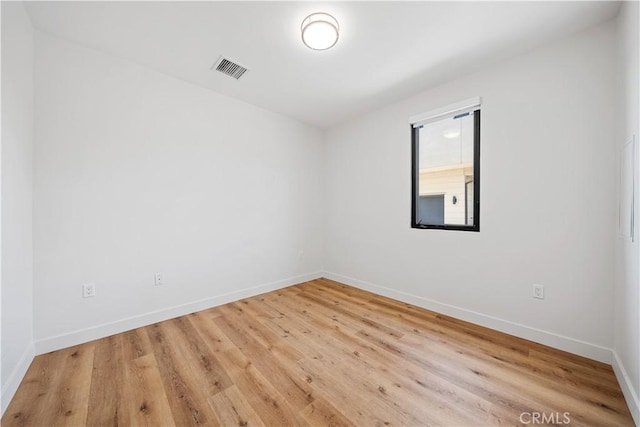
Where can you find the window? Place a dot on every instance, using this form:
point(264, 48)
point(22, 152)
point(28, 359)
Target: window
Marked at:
point(445, 172)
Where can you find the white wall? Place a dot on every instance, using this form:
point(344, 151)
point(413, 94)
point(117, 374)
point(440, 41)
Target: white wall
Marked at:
point(137, 172)
point(17, 171)
point(626, 342)
point(548, 206)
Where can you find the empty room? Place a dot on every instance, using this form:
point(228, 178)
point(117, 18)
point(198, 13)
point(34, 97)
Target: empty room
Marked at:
point(306, 214)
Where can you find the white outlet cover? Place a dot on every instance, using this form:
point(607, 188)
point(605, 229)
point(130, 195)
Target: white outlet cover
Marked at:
point(158, 279)
point(88, 290)
point(538, 291)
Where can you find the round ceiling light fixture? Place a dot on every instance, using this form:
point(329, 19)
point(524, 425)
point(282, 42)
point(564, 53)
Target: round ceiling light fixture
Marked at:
point(451, 133)
point(320, 31)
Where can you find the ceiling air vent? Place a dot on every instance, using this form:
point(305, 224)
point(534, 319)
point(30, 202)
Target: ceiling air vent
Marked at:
point(230, 68)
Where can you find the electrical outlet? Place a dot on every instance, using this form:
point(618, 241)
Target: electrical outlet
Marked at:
point(88, 290)
point(538, 291)
point(158, 279)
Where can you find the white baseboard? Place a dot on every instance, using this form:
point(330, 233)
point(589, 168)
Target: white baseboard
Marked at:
point(630, 394)
point(58, 342)
point(16, 376)
point(571, 345)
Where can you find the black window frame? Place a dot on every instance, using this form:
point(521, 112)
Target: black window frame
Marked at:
point(415, 180)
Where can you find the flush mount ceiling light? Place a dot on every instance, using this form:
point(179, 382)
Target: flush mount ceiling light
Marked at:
point(320, 31)
point(451, 133)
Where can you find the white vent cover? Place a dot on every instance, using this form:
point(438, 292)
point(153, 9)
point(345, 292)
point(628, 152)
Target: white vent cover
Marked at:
point(229, 67)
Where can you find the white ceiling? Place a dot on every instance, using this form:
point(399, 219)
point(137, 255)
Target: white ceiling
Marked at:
point(386, 51)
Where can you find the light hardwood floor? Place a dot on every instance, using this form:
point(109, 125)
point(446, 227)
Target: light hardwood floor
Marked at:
point(319, 353)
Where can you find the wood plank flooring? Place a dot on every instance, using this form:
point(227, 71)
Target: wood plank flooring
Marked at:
point(318, 353)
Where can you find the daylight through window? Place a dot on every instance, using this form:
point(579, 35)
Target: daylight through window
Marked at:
point(446, 169)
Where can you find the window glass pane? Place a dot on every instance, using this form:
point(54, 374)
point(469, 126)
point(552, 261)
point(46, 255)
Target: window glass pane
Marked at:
point(445, 171)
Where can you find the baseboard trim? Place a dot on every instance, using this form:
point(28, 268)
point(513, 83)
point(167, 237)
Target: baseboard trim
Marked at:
point(627, 389)
point(58, 342)
point(571, 345)
point(15, 378)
